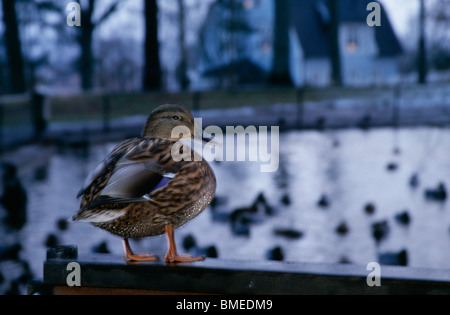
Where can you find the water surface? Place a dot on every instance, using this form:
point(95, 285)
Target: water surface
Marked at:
point(350, 167)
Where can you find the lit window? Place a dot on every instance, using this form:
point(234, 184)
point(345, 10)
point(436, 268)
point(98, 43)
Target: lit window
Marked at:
point(352, 47)
point(352, 42)
point(248, 4)
point(266, 48)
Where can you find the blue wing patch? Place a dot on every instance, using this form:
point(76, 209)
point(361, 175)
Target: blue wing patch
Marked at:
point(163, 182)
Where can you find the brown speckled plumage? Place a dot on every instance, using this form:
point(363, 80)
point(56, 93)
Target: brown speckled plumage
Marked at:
point(120, 196)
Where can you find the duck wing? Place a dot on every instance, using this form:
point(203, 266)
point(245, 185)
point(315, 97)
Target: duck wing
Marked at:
point(145, 168)
point(130, 173)
point(133, 180)
point(98, 177)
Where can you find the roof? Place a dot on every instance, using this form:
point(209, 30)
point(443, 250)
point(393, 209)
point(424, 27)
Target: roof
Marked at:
point(311, 19)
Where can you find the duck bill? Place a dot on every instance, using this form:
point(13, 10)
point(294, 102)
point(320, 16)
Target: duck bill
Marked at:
point(206, 137)
point(211, 139)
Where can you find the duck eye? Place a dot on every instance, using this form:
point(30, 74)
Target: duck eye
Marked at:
point(176, 117)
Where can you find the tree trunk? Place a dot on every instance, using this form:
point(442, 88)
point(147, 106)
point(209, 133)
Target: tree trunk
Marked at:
point(152, 64)
point(85, 39)
point(13, 48)
point(335, 53)
point(280, 65)
point(182, 66)
point(422, 46)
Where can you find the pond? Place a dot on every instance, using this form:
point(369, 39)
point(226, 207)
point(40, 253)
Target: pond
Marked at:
point(323, 204)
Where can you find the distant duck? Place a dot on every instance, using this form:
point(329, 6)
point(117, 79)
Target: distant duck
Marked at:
point(218, 211)
point(380, 230)
point(344, 260)
point(403, 218)
point(62, 225)
point(218, 201)
point(209, 251)
point(14, 197)
point(324, 201)
point(11, 252)
point(140, 190)
point(276, 254)
point(262, 204)
point(101, 248)
point(190, 245)
point(414, 180)
point(220, 216)
point(285, 199)
point(247, 214)
point(241, 219)
point(342, 228)
point(392, 258)
point(392, 166)
point(291, 234)
point(241, 228)
point(369, 208)
point(437, 194)
point(189, 242)
point(51, 240)
point(254, 213)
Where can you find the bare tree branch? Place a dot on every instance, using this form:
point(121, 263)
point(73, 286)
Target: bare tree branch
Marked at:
point(108, 13)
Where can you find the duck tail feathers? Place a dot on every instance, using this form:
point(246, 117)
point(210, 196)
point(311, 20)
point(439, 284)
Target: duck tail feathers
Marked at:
point(97, 216)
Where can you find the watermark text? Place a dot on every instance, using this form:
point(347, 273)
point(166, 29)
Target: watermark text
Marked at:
point(374, 277)
point(241, 144)
point(374, 17)
point(74, 16)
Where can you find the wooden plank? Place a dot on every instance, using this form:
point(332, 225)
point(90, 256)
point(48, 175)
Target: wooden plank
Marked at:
point(217, 276)
point(65, 290)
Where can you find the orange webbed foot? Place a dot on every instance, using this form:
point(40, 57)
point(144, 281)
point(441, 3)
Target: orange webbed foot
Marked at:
point(171, 258)
point(172, 255)
point(130, 256)
point(140, 257)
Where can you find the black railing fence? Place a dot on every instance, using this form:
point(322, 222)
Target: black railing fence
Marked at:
point(26, 118)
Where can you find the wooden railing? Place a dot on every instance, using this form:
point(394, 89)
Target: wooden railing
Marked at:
point(67, 273)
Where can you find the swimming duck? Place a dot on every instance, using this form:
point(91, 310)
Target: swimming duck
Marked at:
point(140, 190)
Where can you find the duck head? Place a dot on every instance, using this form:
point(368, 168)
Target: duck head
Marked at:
point(162, 121)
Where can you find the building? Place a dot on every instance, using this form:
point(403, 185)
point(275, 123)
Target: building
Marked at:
point(369, 55)
point(237, 30)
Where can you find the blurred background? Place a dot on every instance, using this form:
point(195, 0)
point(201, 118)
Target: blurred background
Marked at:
point(364, 113)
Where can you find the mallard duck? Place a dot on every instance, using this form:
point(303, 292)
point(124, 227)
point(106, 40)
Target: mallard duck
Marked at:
point(140, 190)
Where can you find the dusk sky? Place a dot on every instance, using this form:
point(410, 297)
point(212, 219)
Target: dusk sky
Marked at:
point(401, 13)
